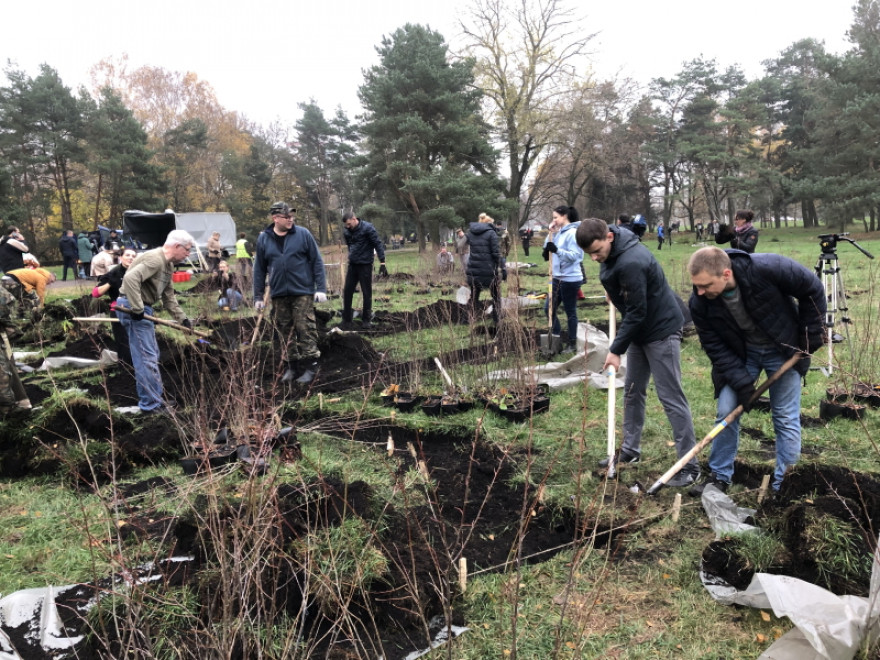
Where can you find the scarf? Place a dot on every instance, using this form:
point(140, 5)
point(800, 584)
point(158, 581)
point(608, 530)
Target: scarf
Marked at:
point(744, 228)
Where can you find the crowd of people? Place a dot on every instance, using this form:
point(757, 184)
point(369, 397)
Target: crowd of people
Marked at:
point(753, 312)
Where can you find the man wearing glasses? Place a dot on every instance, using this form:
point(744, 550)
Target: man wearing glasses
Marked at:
point(288, 255)
point(148, 280)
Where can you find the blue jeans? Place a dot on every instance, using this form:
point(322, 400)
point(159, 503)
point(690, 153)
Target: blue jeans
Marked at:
point(565, 293)
point(662, 360)
point(144, 357)
point(232, 299)
point(785, 403)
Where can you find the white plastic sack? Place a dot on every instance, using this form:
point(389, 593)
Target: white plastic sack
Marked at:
point(579, 367)
point(107, 358)
point(827, 626)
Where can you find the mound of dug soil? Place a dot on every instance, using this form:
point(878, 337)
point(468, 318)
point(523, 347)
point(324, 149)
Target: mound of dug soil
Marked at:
point(824, 523)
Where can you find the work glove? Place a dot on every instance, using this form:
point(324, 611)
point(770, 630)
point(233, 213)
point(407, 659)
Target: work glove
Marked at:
point(96, 293)
point(186, 323)
point(137, 316)
point(812, 343)
point(551, 246)
point(320, 297)
point(259, 304)
point(383, 272)
point(503, 274)
point(744, 395)
point(545, 253)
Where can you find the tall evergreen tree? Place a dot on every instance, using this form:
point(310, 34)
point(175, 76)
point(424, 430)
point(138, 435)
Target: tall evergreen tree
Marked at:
point(119, 158)
point(427, 145)
point(42, 134)
point(323, 153)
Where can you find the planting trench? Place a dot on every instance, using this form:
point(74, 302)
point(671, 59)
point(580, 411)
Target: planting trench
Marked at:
point(468, 509)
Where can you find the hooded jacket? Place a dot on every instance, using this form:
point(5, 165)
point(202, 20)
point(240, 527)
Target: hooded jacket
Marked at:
point(784, 298)
point(293, 264)
point(361, 242)
point(485, 255)
point(635, 283)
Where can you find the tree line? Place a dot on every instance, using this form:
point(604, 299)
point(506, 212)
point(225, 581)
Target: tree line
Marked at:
point(511, 124)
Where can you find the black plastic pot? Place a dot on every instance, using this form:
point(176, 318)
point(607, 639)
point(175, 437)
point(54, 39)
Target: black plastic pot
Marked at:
point(387, 400)
point(831, 409)
point(192, 464)
point(449, 407)
point(406, 401)
point(222, 455)
point(431, 406)
point(868, 394)
point(515, 414)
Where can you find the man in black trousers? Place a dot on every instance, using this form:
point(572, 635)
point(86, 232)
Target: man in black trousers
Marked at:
point(362, 240)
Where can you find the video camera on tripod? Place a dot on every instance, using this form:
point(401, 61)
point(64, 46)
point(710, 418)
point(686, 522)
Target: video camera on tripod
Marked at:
point(828, 243)
point(828, 270)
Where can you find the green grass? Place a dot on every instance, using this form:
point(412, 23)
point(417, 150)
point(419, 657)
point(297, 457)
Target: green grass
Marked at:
point(644, 600)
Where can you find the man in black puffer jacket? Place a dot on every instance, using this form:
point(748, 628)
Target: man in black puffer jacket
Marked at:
point(483, 264)
point(753, 312)
point(362, 240)
point(650, 335)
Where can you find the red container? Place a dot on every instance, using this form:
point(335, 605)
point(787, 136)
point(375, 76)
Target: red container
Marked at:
point(180, 277)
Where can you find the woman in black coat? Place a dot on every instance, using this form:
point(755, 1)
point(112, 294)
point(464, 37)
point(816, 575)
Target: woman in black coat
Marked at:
point(744, 235)
point(483, 264)
point(109, 285)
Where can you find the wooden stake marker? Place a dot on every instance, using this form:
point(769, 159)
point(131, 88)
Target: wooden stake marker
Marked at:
point(762, 491)
point(462, 574)
point(676, 507)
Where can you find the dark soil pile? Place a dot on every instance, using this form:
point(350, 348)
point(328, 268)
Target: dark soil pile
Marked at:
point(826, 519)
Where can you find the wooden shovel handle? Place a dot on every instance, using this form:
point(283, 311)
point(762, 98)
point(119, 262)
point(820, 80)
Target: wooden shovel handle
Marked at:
point(170, 324)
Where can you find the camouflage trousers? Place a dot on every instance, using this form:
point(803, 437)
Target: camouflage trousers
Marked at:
point(27, 300)
point(7, 396)
point(295, 329)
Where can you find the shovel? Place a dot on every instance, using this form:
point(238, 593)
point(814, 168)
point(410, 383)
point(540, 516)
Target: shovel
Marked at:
point(170, 324)
point(723, 424)
point(260, 316)
point(612, 394)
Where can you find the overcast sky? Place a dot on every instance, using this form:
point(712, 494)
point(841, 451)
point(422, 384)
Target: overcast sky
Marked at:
point(263, 57)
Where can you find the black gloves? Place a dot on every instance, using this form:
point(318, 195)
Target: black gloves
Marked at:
point(137, 316)
point(812, 343)
point(503, 274)
point(744, 395)
point(186, 323)
point(551, 246)
point(383, 272)
point(545, 253)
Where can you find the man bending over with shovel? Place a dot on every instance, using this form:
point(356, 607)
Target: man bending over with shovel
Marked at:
point(650, 334)
point(148, 280)
point(753, 312)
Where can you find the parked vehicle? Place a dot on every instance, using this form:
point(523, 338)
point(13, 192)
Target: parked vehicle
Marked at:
point(148, 230)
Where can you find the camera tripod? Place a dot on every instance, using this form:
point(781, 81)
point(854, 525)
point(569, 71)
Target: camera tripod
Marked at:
point(828, 270)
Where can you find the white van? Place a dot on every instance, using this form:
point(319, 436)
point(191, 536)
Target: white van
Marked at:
point(150, 229)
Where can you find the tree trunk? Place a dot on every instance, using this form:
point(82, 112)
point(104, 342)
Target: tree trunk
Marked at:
point(98, 198)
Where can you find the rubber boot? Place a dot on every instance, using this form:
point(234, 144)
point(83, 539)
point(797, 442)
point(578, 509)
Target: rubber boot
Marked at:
point(309, 374)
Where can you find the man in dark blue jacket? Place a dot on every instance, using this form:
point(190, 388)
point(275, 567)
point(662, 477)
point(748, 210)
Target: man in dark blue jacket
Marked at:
point(753, 312)
point(362, 240)
point(650, 334)
point(290, 257)
point(69, 254)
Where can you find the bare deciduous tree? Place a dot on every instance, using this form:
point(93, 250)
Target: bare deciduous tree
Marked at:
point(527, 53)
